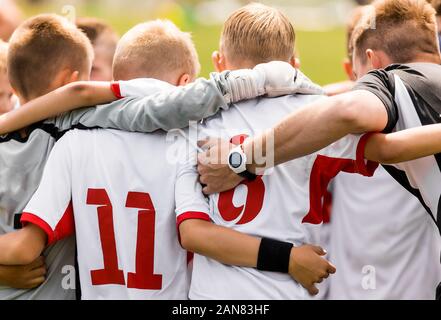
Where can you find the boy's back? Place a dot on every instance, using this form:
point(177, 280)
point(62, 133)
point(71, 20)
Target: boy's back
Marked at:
point(285, 203)
point(119, 188)
point(258, 208)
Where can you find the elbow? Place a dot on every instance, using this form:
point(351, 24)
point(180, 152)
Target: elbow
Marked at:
point(349, 113)
point(190, 235)
point(187, 240)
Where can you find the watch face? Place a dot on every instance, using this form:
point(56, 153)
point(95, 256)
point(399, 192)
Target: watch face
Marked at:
point(235, 160)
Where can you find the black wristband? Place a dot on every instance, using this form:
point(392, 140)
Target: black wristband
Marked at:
point(274, 255)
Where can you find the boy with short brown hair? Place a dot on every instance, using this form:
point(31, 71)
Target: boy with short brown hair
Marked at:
point(45, 52)
point(39, 40)
point(401, 22)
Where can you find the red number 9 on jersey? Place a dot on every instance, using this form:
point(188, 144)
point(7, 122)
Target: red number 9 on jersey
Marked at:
point(254, 201)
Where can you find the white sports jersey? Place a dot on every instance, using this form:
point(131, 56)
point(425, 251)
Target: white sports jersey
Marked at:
point(117, 191)
point(285, 205)
point(383, 242)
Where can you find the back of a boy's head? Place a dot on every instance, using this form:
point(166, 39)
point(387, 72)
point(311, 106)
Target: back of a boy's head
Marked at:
point(403, 29)
point(155, 49)
point(41, 48)
point(257, 33)
point(3, 56)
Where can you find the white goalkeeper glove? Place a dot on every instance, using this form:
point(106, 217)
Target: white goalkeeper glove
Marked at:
point(273, 79)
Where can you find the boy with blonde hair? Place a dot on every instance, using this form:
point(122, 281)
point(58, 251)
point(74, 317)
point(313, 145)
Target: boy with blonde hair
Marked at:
point(170, 48)
point(6, 93)
point(104, 41)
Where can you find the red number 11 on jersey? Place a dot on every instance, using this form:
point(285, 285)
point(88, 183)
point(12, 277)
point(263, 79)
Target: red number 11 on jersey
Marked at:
point(143, 277)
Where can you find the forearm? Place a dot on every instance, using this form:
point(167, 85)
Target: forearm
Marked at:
point(67, 98)
point(406, 145)
point(173, 108)
point(4, 275)
point(316, 126)
point(222, 244)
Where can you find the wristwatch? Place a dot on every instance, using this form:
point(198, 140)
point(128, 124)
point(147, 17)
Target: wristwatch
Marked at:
point(237, 161)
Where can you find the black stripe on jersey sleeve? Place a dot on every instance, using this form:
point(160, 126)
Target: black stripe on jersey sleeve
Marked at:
point(47, 127)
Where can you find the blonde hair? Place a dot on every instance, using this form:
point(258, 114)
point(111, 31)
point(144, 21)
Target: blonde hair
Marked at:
point(403, 29)
point(155, 49)
point(258, 33)
point(3, 56)
point(40, 48)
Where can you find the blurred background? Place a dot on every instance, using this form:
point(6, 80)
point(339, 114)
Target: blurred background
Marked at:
point(319, 24)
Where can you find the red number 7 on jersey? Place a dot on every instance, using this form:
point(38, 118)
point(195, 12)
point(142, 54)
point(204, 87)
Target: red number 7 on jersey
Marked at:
point(143, 277)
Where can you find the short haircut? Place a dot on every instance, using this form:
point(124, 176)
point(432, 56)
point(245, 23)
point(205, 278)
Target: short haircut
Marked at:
point(40, 48)
point(3, 56)
point(436, 4)
point(403, 29)
point(154, 49)
point(258, 33)
point(98, 31)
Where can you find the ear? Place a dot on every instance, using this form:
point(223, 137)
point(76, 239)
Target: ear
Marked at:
point(347, 66)
point(374, 59)
point(184, 80)
point(218, 61)
point(68, 76)
point(295, 62)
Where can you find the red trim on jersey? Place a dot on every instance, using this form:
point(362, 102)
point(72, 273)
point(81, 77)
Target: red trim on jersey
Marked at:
point(190, 215)
point(116, 89)
point(366, 168)
point(64, 228)
point(27, 217)
point(324, 170)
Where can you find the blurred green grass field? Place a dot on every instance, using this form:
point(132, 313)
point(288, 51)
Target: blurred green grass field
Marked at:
point(321, 52)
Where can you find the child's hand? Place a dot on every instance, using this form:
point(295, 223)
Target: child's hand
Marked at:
point(23, 277)
point(308, 267)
